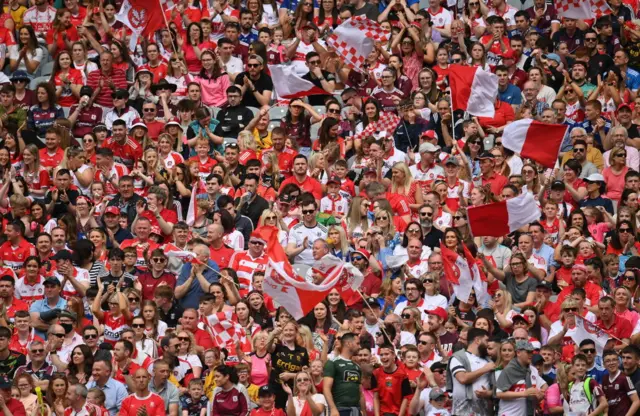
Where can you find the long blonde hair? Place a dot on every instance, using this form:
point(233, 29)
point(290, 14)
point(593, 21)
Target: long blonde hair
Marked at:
point(354, 219)
point(408, 178)
point(508, 300)
point(33, 150)
point(247, 141)
point(344, 244)
point(312, 387)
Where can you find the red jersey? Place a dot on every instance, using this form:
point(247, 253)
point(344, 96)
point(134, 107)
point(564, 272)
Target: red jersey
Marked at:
point(203, 338)
point(149, 283)
point(222, 256)
point(14, 256)
point(132, 404)
point(621, 327)
point(126, 153)
point(496, 181)
point(16, 345)
point(392, 388)
point(75, 77)
point(204, 167)
point(309, 184)
point(285, 160)
point(54, 35)
point(16, 305)
point(245, 265)
point(399, 204)
point(140, 248)
point(159, 71)
point(49, 160)
point(117, 171)
point(113, 327)
point(118, 376)
point(168, 215)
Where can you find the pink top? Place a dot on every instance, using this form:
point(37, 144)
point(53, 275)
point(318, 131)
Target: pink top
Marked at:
point(598, 230)
point(615, 183)
point(552, 397)
point(631, 316)
point(260, 370)
point(214, 90)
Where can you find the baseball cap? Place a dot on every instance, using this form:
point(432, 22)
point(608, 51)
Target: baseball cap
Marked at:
point(363, 252)
point(266, 391)
point(430, 135)
point(438, 365)
point(436, 394)
point(558, 186)
point(486, 155)
point(428, 147)
point(524, 345)
point(594, 177)
point(86, 90)
point(373, 302)
point(367, 171)
point(452, 160)
point(19, 76)
point(520, 317)
point(439, 311)
point(625, 105)
point(121, 93)
point(112, 210)
point(334, 179)
point(68, 314)
point(52, 281)
point(545, 285)
point(509, 54)
point(156, 230)
point(286, 198)
point(5, 382)
point(554, 57)
point(62, 255)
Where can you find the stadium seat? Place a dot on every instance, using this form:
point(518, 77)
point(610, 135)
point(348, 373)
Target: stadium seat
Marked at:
point(277, 112)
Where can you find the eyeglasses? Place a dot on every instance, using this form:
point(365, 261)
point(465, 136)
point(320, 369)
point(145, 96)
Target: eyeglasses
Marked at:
point(37, 351)
point(133, 300)
point(590, 39)
point(253, 65)
point(158, 259)
point(308, 211)
point(426, 214)
point(571, 309)
point(137, 325)
point(624, 230)
point(90, 336)
point(588, 350)
point(406, 316)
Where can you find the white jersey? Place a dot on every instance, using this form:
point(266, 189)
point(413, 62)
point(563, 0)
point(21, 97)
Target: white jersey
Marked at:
point(81, 276)
point(42, 22)
point(425, 178)
point(297, 236)
point(509, 15)
point(462, 406)
point(428, 409)
point(395, 157)
point(333, 206)
point(441, 18)
point(299, 60)
point(419, 268)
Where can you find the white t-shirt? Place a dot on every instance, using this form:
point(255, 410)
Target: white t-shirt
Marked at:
point(317, 398)
point(234, 66)
point(460, 403)
point(428, 409)
point(297, 235)
point(442, 18)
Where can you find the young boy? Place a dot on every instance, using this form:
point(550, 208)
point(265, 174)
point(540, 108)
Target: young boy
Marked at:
point(244, 379)
point(130, 259)
point(266, 401)
point(194, 403)
point(205, 162)
point(551, 224)
point(585, 400)
point(437, 400)
point(347, 187)
point(334, 203)
point(548, 372)
point(567, 260)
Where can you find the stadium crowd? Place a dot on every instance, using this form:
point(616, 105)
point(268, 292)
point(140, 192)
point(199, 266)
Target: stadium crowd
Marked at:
point(117, 157)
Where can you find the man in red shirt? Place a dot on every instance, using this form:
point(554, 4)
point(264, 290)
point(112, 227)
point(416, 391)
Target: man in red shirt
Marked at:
point(52, 154)
point(155, 64)
point(16, 249)
point(156, 212)
point(302, 179)
point(189, 323)
point(141, 242)
point(123, 364)
point(579, 277)
point(284, 154)
point(488, 174)
point(155, 127)
point(393, 383)
point(7, 298)
point(106, 81)
point(613, 324)
point(125, 150)
point(376, 191)
point(142, 401)
point(9, 405)
point(220, 252)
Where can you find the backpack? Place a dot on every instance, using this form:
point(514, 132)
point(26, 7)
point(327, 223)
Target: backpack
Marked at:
point(586, 385)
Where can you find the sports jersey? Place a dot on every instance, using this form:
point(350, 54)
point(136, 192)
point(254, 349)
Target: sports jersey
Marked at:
point(578, 401)
point(334, 205)
point(42, 22)
point(461, 405)
point(418, 268)
point(222, 256)
point(309, 184)
point(392, 388)
point(285, 160)
point(75, 77)
point(387, 99)
point(617, 389)
point(509, 14)
point(153, 404)
point(159, 71)
point(37, 180)
point(81, 275)
point(297, 235)
point(518, 407)
point(453, 193)
point(117, 171)
point(204, 167)
point(126, 153)
point(425, 178)
point(441, 18)
point(299, 60)
point(14, 256)
point(172, 160)
point(49, 160)
point(245, 265)
point(140, 248)
point(29, 292)
point(113, 327)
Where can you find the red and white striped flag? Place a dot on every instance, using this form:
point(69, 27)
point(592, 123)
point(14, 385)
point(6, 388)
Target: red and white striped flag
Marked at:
point(457, 271)
point(292, 291)
point(289, 85)
point(387, 122)
point(504, 217)
point(227, 333)
point(142, 17)
point(588, 330)
point(577, 9)
point(473, 90)
point(354, 39)
point(192, 212)
point(535, 140)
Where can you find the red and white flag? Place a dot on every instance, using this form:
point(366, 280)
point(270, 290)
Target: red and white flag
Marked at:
point(535, 140)
point(289, 85)
point(354, 39)
point(504, 217)
point(184, 255)
point(297, 295)
point(143, 17)
point(457, 271)
point(192, 211)
point(576, 9)
point(227, 333)
point(480, 284)
point(473, 90)
point(588, 330)
point(387, 123)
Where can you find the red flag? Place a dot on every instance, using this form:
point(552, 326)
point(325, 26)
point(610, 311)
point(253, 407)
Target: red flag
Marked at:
point(457, 270)
point(535, 140)
point(501, 218)
point(473, 90)
point(143, 17)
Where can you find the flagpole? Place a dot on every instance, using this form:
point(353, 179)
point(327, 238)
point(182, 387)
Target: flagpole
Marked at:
point(374, 313)
point(164, 16)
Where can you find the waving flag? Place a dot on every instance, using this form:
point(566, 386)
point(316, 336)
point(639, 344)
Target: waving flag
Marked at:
point(388, 122)
point(458, 272)
point(293, 292)
point(535, 140)
point(588, 330)
point(504, 217)
point(576, 9)
point(143, 17)
point(479, 279)
point(354, 39)
point(192, 211)
point(289, 85)
point(473, 90)
point(228, 333)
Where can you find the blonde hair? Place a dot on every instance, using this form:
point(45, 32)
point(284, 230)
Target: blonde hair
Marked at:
point(568, 303)
point(500, 361)
point(354, 218)
point(312, 387)
point(247, 141)
point(33, 150)
point(344, 244)
point(192, 342)
point(508, 300)
point(263, 217)
point(307, 338)
point(408, 178)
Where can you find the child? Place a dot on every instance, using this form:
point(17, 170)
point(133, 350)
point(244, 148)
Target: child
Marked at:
point(316, 371)
point(578, 401)
point(205, 162)
point(334, 203)
point(347, 188)
point(244, 379)
point(266, 402)
point(96, 397)
point(367, 389)
point(194, 403)
point(278, 36)
point(552, 223)
point(437, 400)
point(548, 372)
point(567, 259)
point(130, 259)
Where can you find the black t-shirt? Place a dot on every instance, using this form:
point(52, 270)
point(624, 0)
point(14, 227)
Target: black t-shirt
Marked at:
point(9, 365)
point(173, 314)
point(264, 83)
point(448, 340)
point(60, 208)
point(319, 99)
point(254, 209)
point(432, 240)
point(233, 120)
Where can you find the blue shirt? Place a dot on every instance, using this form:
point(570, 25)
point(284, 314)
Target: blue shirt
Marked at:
point(511, 95)
point(546, 252)
point(115, 393)
point(249, 38)
point(591, 130)
point(567, 145)
point(43, 306)
point(192, 298)
point(633, 79)
point(293, 4)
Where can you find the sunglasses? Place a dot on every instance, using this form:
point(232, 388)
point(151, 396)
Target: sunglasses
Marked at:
point(308, 211)
point(37, 351)
point(589, 350)
point(428, 280)
point(333, 111)
point(477, 142)
point(426, 214)
point(58, 335)
point(382, 218)
point(158, 260)
point(458, 217)
point(628, 277)
point(272, 217)
point(184, 339)
point(580, 150)
point(406, 316)
point(423, 342)
point(571, 310)
point(456, 61)
point(253, 65)
point(133, 299)
point(88, 141)
point(314, 62)
point(148, 110)
point(357, 258)
point(624, 230)
point(137, 325)
point(413, 231)
point(91, 336)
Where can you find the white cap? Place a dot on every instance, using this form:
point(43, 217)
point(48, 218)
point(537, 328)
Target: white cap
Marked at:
point(594, 177)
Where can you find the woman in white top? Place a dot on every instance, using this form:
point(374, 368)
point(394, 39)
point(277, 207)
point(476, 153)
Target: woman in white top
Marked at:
point(187, 352)
point(304, 395)
point(432, 296)
point(81, 172)
point(28, 55)
point(80, 60)
point(546, 93)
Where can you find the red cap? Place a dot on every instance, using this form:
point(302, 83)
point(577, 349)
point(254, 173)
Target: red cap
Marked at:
point(156, 230)
point(334, 179)
point(112, 210)
point(137, 122)
point(509, 54)
point(430, 134)
point(257, 236)
point(629, 106)
point(521, 316)
point(364, 252)
point(579, 267)
point(438, 312)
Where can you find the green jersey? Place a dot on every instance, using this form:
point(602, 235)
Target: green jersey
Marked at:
point(346, 377)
